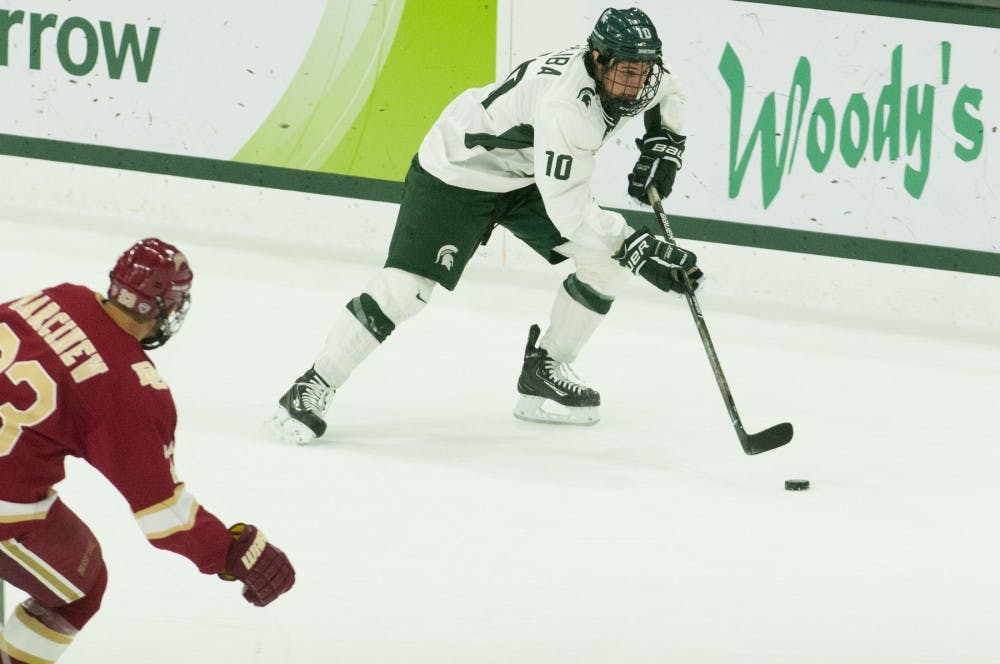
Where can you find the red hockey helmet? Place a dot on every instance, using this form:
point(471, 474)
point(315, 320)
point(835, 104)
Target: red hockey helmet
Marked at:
point(152, 278)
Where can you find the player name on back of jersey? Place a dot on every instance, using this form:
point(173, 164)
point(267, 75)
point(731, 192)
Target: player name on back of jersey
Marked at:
point(62, 335)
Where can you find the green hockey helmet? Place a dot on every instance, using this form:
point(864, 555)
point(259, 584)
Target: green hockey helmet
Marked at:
point(625, 36)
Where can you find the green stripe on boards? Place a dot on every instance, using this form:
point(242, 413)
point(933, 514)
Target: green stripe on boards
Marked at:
point(940, 12)
point(823, 244)
point(200, 168)
point(694, 228)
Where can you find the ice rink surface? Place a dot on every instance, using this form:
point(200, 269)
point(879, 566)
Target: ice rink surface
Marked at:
point(430, 526)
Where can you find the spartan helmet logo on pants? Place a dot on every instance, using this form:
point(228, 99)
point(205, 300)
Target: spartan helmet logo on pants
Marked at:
point(446, 256)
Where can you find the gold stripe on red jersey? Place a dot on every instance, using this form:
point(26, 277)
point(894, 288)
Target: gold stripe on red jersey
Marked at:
point(16, 512)
point(173, 515)
point(50, 577)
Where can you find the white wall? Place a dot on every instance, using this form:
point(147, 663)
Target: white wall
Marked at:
point(937, 189)
point(801, 287)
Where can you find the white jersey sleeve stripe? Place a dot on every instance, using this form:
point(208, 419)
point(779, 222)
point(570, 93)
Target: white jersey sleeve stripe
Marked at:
point(173, 515)
point(16, 512)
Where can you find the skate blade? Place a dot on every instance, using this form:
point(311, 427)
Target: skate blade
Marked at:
point(284, 428)
point(538, 409)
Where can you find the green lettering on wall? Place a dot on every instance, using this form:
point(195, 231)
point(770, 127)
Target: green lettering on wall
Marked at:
point(855, 115)
point(8, 20)
point(116, 53)
point(39, 24)
point(89, 34)
point(967, 126)
point(77, 44)
point(919, 123)
point(772, 165)
point(888, 110)
point(885, 129)
point(819, 156)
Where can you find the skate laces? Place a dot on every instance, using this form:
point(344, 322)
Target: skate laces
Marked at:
point(315, 395)
point(563, 375)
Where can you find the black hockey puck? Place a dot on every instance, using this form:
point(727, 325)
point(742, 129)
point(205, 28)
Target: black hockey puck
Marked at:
point(796, 485)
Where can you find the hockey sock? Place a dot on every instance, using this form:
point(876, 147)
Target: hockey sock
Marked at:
point(35, 634)
point(577, 311)
point(390, 298)
point(351, 339)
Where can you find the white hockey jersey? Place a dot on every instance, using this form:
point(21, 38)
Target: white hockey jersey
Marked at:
point(543, 124)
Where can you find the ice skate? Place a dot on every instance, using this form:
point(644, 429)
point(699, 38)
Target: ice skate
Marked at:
point(551, 392)
point(300, 412)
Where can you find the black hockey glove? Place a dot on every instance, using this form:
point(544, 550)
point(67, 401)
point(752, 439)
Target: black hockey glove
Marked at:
point(658, 262)
point(660, 154)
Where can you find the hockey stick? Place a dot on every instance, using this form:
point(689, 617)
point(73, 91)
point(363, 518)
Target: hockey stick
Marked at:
point(776, 436)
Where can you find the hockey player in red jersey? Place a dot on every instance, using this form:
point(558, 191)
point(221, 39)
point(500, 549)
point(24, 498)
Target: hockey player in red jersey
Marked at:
point(75, 380)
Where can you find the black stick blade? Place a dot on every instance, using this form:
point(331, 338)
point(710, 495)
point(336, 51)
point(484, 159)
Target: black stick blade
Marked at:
point(769, 439)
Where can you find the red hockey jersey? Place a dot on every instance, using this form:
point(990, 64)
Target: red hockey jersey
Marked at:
point(73, 382)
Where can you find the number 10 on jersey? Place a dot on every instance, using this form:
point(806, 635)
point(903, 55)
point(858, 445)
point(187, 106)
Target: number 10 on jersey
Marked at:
point(558, 165)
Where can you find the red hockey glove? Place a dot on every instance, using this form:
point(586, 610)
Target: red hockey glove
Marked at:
point(263, 568)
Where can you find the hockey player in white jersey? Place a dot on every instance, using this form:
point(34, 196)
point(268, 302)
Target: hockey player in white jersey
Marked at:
point(520, 154)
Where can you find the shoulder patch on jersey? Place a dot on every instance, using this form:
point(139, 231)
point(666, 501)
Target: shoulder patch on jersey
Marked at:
point(149, 376)
point(586, 95)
